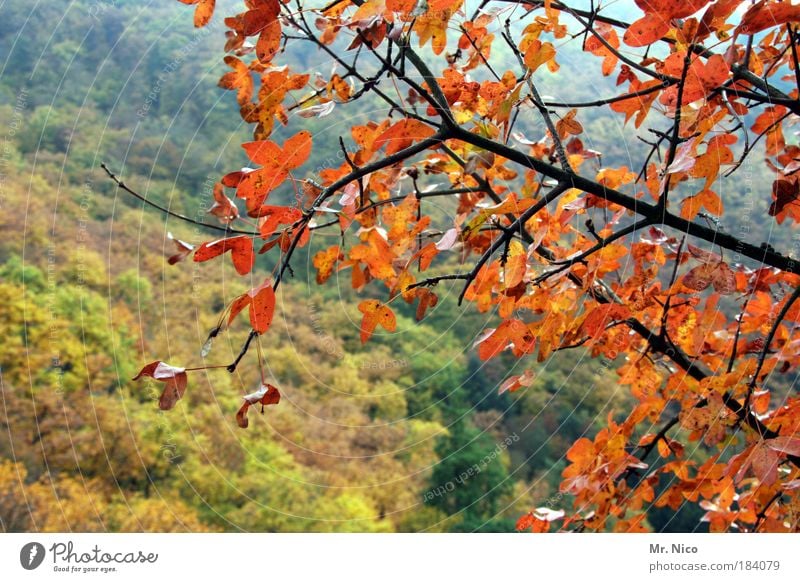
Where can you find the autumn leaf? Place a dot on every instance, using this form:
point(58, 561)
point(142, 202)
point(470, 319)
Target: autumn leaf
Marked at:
point(601, 316)
point(271, 217)
point(789, 445)
point(276, 162)
point(646, 30)
point(516, 265)
point(539, 520)
point(539, 53)
point(640, 101)
point(238, 80)
point(427, 299)
point(657, 19)
point(432, 25)
point(375, 313)
point(174, 379)
point(223, 208)
point(203, 11)
point(785, 194)
point(266, 395)
point(568, 125)
point(183, 250)
point(707, 199)
point(766, 14)
point(241, 248)
point(604, 48)
point(514, 383)
point(719, 275)
point(403, 134)
point(512, 333)
point(261, 20)
point(325, 260)
point(320, 110)
point(261, 301)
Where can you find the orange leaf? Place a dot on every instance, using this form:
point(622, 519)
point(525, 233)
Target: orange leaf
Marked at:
point(324, 262)
point(539, 53)
point(296, 150)
point(375, 313)
point(516, 265)
point(203, 12)
point(514, 383)
point(602, 315)
point(707, 199)
point(402, 134)
point(647, 30)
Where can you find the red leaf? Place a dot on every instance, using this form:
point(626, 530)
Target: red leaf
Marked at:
point(241, 248)
point(765, 464)
point(273, 216)
point(719, 275)
point(766, 14)
point(261, 301)
point(262, 307)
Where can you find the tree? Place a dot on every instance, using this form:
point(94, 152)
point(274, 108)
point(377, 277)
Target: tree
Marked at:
point(470, 480)
point(634, 265)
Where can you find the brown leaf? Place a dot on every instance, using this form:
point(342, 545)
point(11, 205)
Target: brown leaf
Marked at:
point(266, 395)
point(174, 378)
point(183, 248)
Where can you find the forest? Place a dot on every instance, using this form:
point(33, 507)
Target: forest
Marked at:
point(418, 429)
